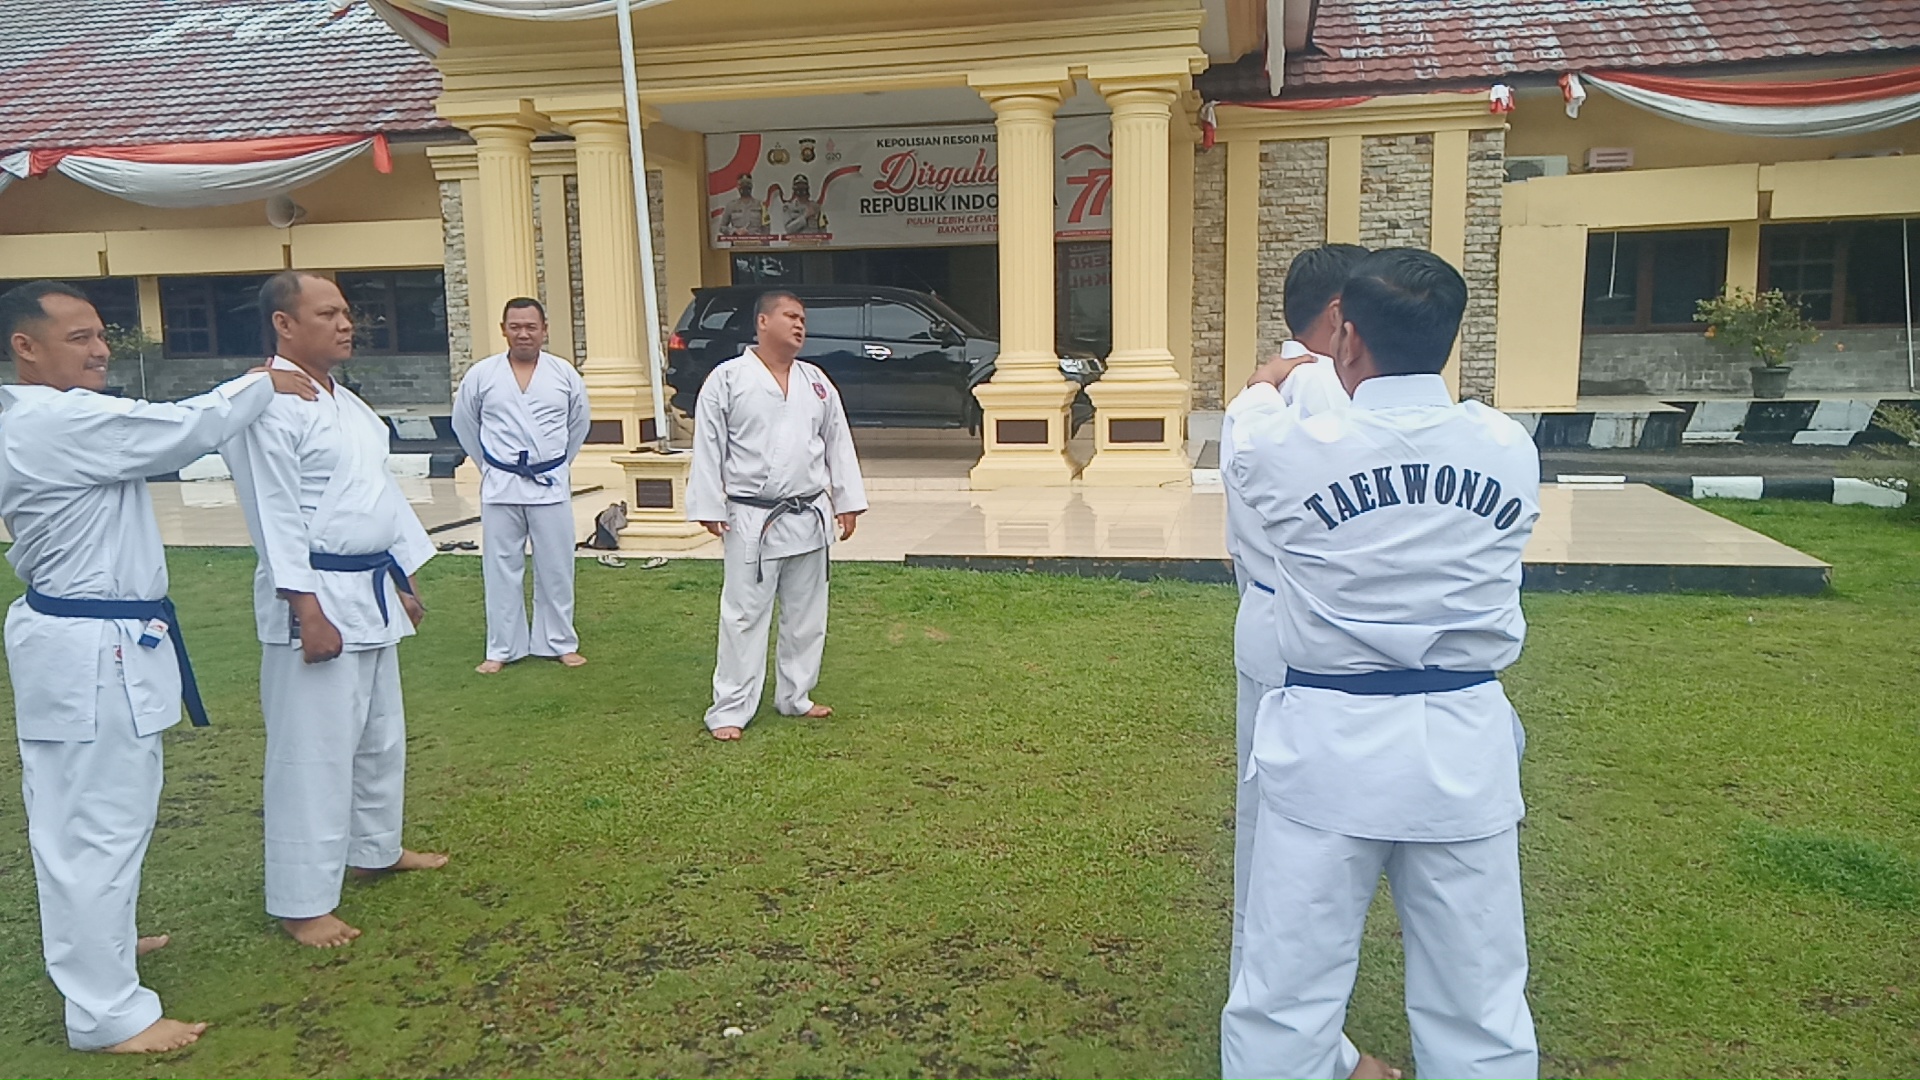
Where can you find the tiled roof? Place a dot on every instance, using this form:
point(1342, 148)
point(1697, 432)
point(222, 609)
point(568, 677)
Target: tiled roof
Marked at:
point(135, 72)
point(1398, 44)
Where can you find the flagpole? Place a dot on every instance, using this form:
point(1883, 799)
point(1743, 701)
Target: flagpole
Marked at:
point(643, 213)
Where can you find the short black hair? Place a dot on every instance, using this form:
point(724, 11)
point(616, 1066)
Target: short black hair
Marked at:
point(523, 302)
point(765, 304)
point(281, 292)
point(21, 305)
point(1407, 305)
point(1314, 278)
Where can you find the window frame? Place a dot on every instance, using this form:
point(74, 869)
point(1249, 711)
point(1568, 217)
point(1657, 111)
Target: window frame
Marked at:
point(1843, 235)
point(1643, 278)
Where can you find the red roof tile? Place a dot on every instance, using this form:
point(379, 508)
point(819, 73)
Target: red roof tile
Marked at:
point(1396, 44)
point(136, 72)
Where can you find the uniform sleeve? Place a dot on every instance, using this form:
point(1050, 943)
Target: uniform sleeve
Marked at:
point(265, 461)
point(1257, 466)
point(1313, 389)
point(466, 415)
point(579, 413)
point(95, 446)
point(843, 465)
point(706, 491)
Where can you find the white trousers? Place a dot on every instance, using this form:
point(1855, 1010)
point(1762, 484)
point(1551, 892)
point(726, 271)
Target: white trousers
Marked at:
point(799, 583)
point(1461, 928)
point(505, 529)
point(90, 813)
point(1246, 817)
point(336, 772)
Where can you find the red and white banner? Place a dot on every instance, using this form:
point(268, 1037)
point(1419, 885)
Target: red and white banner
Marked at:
point(894, 187)
point(1825, 108)
point(184, 175)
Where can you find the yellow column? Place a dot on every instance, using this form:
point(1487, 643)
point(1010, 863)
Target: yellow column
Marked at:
point(1241, 329)
point(1025, 407)
point(1343, 189)
point(1743, 255)
point(1142, 401)
point(504, 218)
point(616, 369)
point(152, 316)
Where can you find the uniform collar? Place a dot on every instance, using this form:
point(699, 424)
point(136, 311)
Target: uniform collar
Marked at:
point(1291, 349)
point(1401, 391)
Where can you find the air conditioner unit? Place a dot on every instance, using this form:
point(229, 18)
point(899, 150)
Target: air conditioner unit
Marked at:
point(1527, 168)
point(1609, 158)
point(1846, 154)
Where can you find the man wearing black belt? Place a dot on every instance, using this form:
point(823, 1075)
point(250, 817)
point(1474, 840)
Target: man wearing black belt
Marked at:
point(333, 595)
point(1395, 529)
point(772, 460)
point(97, 657)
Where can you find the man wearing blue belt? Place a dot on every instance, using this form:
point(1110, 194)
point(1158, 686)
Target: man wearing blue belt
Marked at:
point(1395, 528)
point(522, 416)
point(98, 663)
point(333, 596)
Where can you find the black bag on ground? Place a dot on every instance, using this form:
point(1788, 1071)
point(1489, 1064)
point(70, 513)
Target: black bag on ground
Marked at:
point(606, 528)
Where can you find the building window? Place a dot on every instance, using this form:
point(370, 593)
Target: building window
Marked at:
point(117, 299)
point(397, 311)
point(1844, 273)
point(212, 316)
point(1652, 280)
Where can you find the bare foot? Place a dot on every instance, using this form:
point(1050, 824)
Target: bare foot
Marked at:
point(818, 712)
point(1372, 1068)
point(408, 860)
point(321, 932)
point(161, 1036)
point(150, 944)
point(491, 667)
point(727, 734)
point(573, 659)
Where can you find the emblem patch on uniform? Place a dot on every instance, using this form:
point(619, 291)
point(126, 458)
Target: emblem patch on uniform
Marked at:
point(820, 390)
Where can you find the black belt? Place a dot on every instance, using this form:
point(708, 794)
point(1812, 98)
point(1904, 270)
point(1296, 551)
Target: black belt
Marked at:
point(792, 504)
point(1392, 683)
point(143, 611)
point(380, 563)
point(535, 472)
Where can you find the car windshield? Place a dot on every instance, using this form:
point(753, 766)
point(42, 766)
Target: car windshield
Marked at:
point(960, 322)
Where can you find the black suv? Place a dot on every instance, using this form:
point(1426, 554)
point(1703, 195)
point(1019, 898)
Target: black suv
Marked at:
point(897, 356)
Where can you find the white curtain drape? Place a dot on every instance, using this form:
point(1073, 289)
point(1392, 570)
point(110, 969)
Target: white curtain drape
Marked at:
point(1784, 120)
point(174, 185)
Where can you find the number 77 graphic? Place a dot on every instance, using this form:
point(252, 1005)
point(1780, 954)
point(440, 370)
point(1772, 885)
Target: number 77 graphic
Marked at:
point(1096, 186)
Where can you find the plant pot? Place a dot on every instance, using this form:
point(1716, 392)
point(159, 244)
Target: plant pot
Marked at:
point(1770, 383)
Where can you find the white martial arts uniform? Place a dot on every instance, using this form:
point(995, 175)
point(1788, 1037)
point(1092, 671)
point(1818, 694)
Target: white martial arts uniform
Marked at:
point(90, 701)
point(1398, 525)
point(546, 422)
point(312, 477)
point(1313, 388)
point(751, 442)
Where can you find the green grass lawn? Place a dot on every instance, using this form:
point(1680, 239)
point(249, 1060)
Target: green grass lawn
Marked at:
point(1010, 851)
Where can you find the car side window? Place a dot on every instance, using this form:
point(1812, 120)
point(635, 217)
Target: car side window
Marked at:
point(898, 322)
point(721, 317)
point(835, 319)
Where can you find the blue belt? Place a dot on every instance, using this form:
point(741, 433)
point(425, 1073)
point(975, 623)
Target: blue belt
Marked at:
point(143, 611)
point(1392, 683)
point(1263, 587)
point(380, 563)
point(535, 472)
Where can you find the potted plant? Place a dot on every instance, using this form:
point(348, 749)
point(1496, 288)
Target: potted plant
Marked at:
point(1769, 326)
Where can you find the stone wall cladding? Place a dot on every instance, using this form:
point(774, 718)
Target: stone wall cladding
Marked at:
point(414, 380)
point(459, 316)
point(579, 312)
point(657, 216)
point(1293, 218)
point(1396, 191)
point(539, 252)
point(1681, 365)
point(1486, 172)
point(1209, 276)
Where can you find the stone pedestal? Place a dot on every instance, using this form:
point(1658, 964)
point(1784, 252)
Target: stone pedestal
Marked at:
point(656, 497)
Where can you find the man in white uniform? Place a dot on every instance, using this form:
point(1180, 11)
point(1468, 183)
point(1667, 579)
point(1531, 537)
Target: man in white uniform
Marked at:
point(772, 460)
point(99, 668)
point(1397, 526)
point(522, 417)
point(333, 595)
point(1312, 309)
